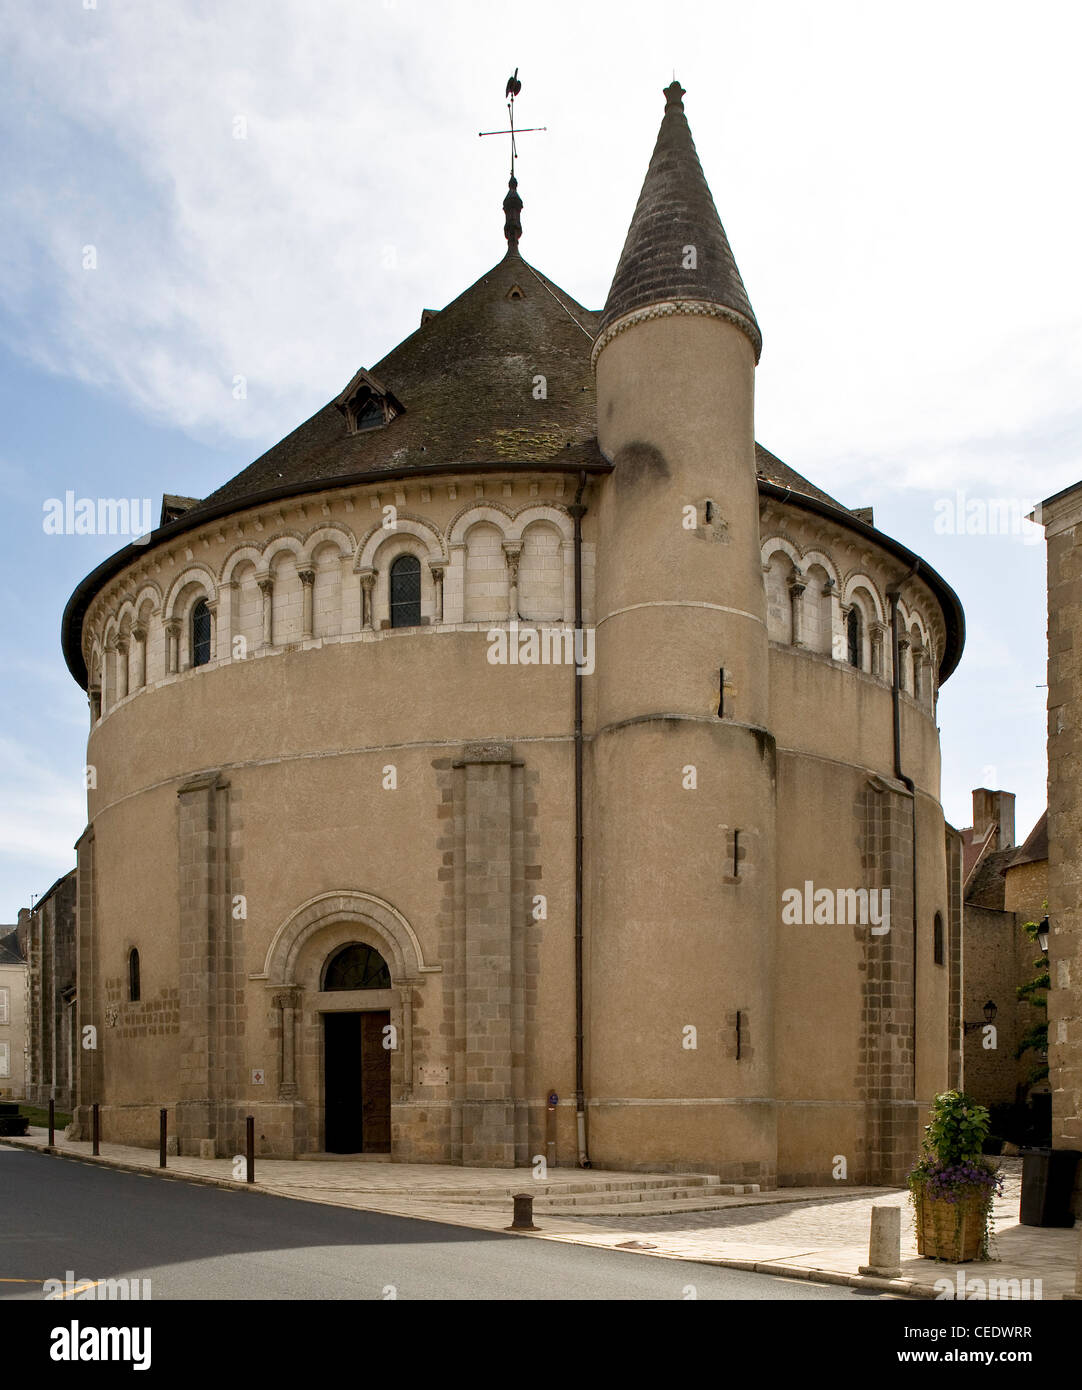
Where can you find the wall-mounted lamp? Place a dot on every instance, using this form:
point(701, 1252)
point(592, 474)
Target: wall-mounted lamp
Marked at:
point(989, 1012)
point(1042, 933)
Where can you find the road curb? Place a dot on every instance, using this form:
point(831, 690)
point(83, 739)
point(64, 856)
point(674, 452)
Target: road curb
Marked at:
point(120, 1166)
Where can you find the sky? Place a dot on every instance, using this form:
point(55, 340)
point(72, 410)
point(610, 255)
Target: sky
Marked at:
point(214, 213)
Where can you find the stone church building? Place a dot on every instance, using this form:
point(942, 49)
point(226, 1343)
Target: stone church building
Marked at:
point(518, 728)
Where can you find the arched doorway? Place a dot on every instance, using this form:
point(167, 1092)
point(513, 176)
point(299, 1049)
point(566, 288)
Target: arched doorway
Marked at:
point(357, 1045)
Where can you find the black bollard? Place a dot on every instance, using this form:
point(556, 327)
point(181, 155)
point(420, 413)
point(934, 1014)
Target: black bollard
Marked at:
point(96, 1130)
point(52, 1123)
point(523, 1217)
point(250, 1145)
point(163, 1125)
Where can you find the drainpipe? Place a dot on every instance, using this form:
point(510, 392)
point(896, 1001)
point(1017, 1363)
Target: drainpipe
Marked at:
point(577, 513)
point(896, 686)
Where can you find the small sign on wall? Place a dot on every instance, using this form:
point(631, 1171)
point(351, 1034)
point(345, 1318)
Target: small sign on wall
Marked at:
point(258, 1076)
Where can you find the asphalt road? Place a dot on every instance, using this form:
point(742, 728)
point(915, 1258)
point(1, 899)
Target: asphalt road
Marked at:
point(194, 1242)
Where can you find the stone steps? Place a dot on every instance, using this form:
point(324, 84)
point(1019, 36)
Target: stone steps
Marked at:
point(668, 1206)
point(634, 1199)
point(617, 1186)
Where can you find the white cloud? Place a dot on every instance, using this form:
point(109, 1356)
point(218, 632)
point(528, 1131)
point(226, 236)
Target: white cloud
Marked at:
point(41, 816)
point(894, 186)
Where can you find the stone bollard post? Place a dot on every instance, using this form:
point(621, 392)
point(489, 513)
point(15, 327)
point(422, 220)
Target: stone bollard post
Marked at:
point(523, 1218)
point(885, 1245)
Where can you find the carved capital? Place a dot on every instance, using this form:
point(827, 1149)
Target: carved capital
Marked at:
point(139, 632)
point(266, 584)
point(513, 552)
point(307, 577)
point(368, 579)
point(172, 627)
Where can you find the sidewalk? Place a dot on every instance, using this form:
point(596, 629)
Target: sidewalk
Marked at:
point(808, 1233)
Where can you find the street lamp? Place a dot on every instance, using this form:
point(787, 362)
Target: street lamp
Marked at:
point(989, 1012)
point(1042, 934)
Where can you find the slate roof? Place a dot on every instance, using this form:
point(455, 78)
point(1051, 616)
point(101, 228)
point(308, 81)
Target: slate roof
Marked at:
point(466, 381)
point(1035, 849)
point(676, 210)
point(770, 467)
point(987, 887)
point(9, 948)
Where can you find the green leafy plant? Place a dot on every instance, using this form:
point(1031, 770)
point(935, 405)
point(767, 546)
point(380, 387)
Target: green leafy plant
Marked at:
point(1035, 992)
point(951, 1167)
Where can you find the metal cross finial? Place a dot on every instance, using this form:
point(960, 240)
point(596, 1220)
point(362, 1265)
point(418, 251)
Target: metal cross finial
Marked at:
point(514, 86)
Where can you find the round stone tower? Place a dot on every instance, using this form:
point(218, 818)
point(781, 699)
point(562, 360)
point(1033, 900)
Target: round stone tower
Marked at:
point(682, 761)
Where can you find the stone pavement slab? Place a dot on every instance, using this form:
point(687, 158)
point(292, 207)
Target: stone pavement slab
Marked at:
point(819, 1233)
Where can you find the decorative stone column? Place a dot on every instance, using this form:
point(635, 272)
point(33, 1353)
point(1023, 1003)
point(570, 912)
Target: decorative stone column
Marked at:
point(139, 674)
point(797, 586)
point(307, 577)
point(829, 592)
point(513, 552)
point(919, 663)
point(266, 588)
point(121, 667)
point(172, 646)
point(94, 693)
point(108, 675)
point(567, 571)
point(212, 609)
point(288, 1003)
point(878, 633)
point(208, 1063)
point(903, 648)
point(454, 595)
point(437, 568)
point(486, 977)
point(368, 585)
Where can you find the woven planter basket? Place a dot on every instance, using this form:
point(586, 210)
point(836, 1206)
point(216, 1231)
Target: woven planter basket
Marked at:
point(952, 1231)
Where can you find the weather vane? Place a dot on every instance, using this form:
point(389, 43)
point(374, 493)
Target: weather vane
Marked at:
point(514, 86)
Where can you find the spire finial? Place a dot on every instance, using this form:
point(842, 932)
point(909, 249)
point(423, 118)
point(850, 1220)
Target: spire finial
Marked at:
point(512, 208)
point(512, 204)
point(674, 94)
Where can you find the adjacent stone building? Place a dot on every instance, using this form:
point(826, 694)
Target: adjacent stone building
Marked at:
point(12, 1015)
point(518, 728)
point(1006, 885)
point(47, 933)
point(1061, 516)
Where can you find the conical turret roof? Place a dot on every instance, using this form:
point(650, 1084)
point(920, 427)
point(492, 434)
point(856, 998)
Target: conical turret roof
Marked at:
point(676, 247)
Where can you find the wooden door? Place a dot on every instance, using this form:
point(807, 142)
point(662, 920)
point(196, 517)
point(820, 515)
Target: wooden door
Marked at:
point(375, 1083)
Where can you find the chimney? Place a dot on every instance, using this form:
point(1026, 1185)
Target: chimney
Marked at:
point(994, 808)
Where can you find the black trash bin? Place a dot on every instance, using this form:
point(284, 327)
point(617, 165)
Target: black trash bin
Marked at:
point(1047, 1184)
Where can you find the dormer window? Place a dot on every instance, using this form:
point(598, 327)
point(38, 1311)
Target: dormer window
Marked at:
point(367, 404)
point(367, 413)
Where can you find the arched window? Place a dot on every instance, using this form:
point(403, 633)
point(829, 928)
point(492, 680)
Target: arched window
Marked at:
point(938, 946)
point(357, 967)
point(406, 591)
point(133, 975)
point(200, 633)
point(854, 637)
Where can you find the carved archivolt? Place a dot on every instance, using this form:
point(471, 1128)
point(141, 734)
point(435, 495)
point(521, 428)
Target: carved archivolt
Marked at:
point(375, 921)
